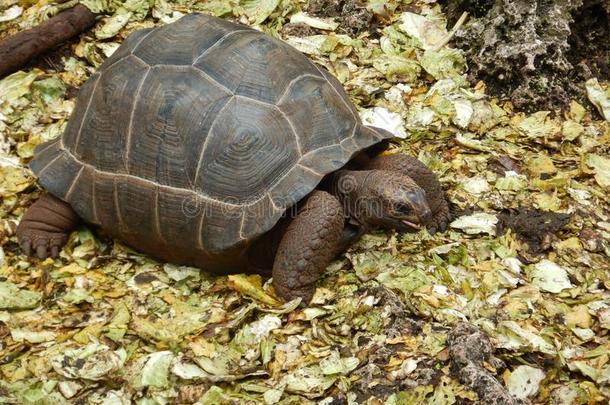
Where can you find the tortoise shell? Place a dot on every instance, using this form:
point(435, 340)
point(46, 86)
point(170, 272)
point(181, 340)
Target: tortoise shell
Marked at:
point(200, 133)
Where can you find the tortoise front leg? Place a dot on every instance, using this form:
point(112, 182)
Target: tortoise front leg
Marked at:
point(425, 178)
point(45, 226)
point(310, 243)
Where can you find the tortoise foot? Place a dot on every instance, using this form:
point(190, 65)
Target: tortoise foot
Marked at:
point(45, 227)
point(41, 243)
point(440, 219)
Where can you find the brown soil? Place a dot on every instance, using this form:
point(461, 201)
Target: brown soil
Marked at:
point(534, 227)
point(298, 30)
point(354, 17)
point(538, 54)
point(590, 43)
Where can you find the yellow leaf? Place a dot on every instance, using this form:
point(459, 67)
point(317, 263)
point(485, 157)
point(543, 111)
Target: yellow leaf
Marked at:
point(251, 285)
point(579, 316)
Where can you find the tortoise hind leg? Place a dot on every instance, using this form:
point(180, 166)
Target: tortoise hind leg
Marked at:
point(45, 226)
point(425, 178)
point(309, 244)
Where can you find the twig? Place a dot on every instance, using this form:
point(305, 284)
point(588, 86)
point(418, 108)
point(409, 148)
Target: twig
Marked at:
point(18, 50)
point(451, 33)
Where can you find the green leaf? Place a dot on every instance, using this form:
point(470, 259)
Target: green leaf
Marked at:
point(50, 89)
point(476, 223)
point(17, 85)
point(112, 25)
point(444, 63)
point(601, 166)
point(11, 13)
point(92, 362)
point(539, 125)
point(397, 68)
point(334, 364)
point(550, 277)
point(524, 381)
point(216, 7)
point(155, 370)
point(308, 380)
point(599, 97)
point(12, 297)
point(429, 30)
point(258, 10)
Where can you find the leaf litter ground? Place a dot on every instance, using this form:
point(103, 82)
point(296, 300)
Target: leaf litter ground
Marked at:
point(512, 304)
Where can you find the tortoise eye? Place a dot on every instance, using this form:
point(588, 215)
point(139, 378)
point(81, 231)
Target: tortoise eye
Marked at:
point(403, 208)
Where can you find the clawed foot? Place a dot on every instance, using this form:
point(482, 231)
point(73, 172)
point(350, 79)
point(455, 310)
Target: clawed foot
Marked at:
point(440, 219)
point(45, 226)
point(40, 243)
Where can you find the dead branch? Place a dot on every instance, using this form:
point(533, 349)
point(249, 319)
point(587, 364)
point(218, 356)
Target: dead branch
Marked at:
point(18, 50)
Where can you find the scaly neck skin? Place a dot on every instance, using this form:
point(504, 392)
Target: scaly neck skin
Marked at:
point(350, 187)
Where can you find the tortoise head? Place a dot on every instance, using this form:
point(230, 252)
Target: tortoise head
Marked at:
point(391, 200)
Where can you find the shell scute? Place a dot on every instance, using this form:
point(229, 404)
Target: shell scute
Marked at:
point(172, 118)
point(183, 43)
point(254, 65)
point(249, 148)
point(318, 115)
point(101, 139)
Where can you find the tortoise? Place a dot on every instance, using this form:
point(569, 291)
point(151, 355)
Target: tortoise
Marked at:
point(211, 144)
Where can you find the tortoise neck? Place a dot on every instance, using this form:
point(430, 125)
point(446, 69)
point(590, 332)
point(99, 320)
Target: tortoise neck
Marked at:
point(350, 188)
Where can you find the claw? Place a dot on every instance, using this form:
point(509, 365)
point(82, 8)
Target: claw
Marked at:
point(41, 252)
point(41, 245)
point(440, 221)
point(26, 245)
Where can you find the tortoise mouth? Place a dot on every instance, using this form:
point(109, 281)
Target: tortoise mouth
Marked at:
point(402, 225)
point(412, 225)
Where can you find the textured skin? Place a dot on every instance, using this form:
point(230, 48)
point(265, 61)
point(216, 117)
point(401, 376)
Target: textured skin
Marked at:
point(193, 138)
point(425, 178)
point(367, 196)
point(44, 228)
point(310, 243)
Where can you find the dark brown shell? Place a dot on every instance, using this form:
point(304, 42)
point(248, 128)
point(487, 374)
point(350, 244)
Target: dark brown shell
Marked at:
point(200, 133)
